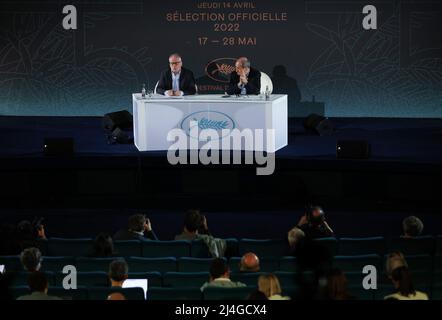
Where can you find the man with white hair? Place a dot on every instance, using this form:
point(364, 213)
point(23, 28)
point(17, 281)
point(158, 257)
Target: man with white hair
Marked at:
point(176, 81)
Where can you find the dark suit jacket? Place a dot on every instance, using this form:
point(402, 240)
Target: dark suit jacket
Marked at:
point(125, 234)
point(187, 82)
point(253, 85)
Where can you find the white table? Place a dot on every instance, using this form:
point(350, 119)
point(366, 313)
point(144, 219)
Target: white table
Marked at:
point(155, 116)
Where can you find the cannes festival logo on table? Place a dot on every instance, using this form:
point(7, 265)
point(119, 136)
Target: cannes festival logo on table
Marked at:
point(208, 120)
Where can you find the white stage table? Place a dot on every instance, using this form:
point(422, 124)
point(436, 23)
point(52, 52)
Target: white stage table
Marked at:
point(155, 116)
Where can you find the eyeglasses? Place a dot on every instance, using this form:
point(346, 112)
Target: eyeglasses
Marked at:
point(174, 63)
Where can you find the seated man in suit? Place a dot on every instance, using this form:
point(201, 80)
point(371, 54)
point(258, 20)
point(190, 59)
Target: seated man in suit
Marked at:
point(176, 81)
point(245, 80)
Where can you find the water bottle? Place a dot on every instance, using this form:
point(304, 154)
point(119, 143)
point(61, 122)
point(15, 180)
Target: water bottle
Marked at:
point(143, 91)
point(267, 93)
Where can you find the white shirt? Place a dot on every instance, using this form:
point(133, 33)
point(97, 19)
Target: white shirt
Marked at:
point(176, 82)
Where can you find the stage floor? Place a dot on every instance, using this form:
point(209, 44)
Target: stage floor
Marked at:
point(404, 169)
point(416, 141)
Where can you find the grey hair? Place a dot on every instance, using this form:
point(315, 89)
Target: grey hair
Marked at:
point(244, 62)
point(412, 226)
point(175, 55)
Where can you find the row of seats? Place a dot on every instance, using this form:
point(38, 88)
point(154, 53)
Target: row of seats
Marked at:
point(196, 279)
point(161, 293)
point(421, 263)
point(263, 248)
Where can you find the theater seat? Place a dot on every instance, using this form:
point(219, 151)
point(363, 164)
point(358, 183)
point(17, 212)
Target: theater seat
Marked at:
point(18, 291)
point(360, 293)
point(248, 278)
point(69, 247)
point(86, 279)
point(156, 293)
point(436, 292)
point(287, 264)
point(187, 264)
point(439, 244)
point(354, 279)
point(356, 263)
point(167, 264)
point(128, 248)
point(263, 248)
point(213, 293)
point(103, 293)
point(417, 245)
point(357, 246)
point(185, 279)
point(12, 263)
point(95, 264)
point(198, 249)
point(20, 278)
point(331, 243)
point(56, 264)
point(151, 248)
point(437, 263)
point(287, 279)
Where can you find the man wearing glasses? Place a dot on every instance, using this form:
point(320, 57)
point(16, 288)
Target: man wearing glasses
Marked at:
point(245, 80)
point(176, 81)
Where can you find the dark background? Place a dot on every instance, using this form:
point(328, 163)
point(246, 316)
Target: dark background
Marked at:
point(395, 71)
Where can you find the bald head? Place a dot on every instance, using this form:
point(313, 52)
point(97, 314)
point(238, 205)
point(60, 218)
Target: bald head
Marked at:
point(249, 262)
point(116, 296)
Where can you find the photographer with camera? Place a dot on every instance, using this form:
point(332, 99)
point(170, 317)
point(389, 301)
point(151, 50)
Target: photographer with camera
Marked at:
point(314, 225)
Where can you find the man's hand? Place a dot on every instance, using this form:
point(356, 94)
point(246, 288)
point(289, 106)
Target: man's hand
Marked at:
point(169, 93)
point(205, 223)
point(302, 221)
point(147, 226)
point(178, 93)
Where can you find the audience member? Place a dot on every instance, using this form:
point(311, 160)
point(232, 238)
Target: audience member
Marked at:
point(249, 263)
point(295, 238)
point(395, 260)
point(314, 225)
point(103, 246)
point(269, 285)
point(139, 228)
point(403, 283)
point(31, 259)
point(412, 227)
point(220, 276)
point(38, 284)
point(336, 287)
point(30, 234)
point(118, 272)
point(116, 296)
point(193, 222)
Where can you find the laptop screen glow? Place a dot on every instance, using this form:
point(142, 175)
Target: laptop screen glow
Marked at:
point(136, 283)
